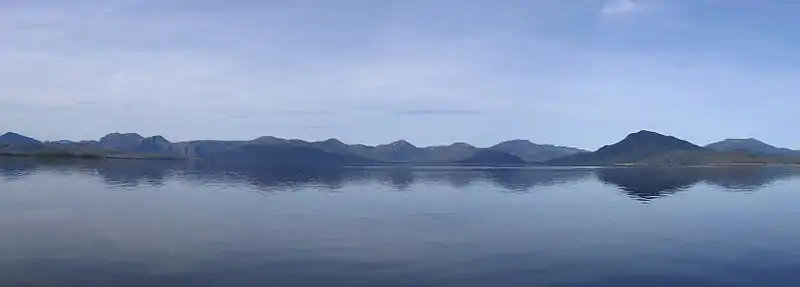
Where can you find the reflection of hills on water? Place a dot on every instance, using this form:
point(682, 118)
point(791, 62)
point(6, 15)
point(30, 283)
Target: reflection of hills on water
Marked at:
point(650, 183)
point(639, 183)
point(271, 178)
point(748, 178)
point(113, 172)
point(398, 178)
point(12, 168)
point(517, 180)
point(522, 180)
point(137, 172)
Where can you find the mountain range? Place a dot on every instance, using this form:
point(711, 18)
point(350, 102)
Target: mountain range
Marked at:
point(273, 150)
point(634, 148)
point(639, 148)
point(651, 148)
point(751, 145)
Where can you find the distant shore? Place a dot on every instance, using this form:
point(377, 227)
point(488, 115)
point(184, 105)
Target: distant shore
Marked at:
point(86, 156)
point(395, 165)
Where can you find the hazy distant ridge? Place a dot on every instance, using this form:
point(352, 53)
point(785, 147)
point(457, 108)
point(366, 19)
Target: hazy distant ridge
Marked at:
point(640, 148)
point(275, 150)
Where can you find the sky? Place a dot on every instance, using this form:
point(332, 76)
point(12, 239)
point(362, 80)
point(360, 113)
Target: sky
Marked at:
point(581, 73)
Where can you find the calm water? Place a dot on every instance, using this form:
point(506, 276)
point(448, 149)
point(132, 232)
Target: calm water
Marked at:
point(129, 223)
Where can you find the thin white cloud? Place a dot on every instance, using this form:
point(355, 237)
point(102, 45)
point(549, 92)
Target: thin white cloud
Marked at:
point(620, 7)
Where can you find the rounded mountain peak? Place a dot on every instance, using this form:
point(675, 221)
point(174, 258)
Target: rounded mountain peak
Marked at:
point(461, 144)
point(402, 143)
point(646, 133)
point(158, 139)
point(644, 138)
point(747, 140)
point(333, 141)
point(15, 138)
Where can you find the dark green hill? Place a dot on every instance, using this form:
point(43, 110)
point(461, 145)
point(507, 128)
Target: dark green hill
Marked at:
point(634, 148)
point(532, 152)
point(751, 145)
point(15, 139)
point(284, 155)
point(492, 157)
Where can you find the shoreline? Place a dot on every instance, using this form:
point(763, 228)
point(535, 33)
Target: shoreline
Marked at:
point(398, 165)
point(86, 156)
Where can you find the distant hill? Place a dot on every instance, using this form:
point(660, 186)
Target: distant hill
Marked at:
point(284, 155)
point(402, 151)
point(634, 148)
point(13, 139)
point(133, 143)
point(650, 148)
point(156, 145)
point(532, 152)
point(398, 151)
point(119, 141)
point(334, 146)
point(14, 143)
point(452, 153)
point(751, 145)
point(492, 157)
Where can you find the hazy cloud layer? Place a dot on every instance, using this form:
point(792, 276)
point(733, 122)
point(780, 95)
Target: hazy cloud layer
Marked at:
point(581, 73)
point(618, 7)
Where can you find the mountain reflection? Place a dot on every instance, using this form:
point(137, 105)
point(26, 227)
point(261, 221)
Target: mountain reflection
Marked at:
point(114, 172)
point(13, 168)
point(645, 184)
point(642, 184)
point(522, 180)
point(131, 173)
point(401, 179)
point(649, 183)
point(748, 178)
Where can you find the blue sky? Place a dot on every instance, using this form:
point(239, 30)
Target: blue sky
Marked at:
point(582, 73)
